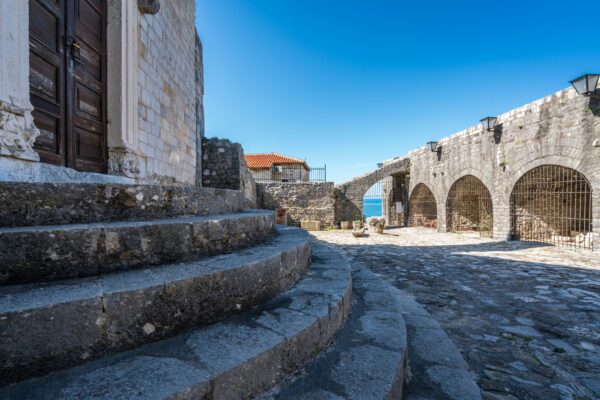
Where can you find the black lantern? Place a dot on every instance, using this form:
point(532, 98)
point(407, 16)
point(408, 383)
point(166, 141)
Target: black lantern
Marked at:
point(433, 146)
point(586, 84)
point(489, 123)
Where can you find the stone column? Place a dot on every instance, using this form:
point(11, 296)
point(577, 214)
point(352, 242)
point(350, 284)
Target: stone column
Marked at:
point(123, 132)
point(17, 130)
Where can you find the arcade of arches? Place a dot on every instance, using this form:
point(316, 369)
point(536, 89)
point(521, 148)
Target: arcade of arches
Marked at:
point(549, 204)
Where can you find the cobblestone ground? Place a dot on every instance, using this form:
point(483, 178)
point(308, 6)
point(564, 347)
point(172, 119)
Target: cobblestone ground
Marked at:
point(526, 317)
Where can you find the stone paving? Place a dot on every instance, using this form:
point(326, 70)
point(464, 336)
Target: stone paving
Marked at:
point(526, 317)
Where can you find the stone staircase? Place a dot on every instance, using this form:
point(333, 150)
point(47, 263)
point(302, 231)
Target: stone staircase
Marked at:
point(153, 292)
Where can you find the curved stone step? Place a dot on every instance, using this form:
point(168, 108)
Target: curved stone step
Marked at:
point(438, 369)
point(44, 327)
point(368, 358)
point(32, 254)
point(30, 204)
point(234, 359)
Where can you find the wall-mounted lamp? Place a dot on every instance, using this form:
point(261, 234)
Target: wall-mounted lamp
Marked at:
point(433, 146)
point(489, 123)
point(586, 84)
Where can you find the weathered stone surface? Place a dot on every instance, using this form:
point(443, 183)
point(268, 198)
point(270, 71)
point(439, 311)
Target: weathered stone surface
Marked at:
point(32, 254)
point(523, 316)
point(302, 200)
point(234, 359)
point(17, 132)
point(367, 360)
point(224, 167)
point(50, 326)
point(28, 204)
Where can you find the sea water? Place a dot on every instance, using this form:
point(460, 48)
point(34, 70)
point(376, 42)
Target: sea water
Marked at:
point(372, 207)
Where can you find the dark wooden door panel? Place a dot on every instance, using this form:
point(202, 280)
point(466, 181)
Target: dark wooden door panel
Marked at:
point(68, 81)
point(89, 86)
point(47, 77)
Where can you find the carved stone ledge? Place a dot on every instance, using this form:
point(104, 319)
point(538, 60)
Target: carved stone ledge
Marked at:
point(148, 6)
point(17, 132)
point(125, 162)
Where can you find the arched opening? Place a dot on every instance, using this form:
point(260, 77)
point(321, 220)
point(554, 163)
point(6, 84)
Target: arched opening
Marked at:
point(373, 201)
point(552, 204)
point(422, 208)
point(469, 207)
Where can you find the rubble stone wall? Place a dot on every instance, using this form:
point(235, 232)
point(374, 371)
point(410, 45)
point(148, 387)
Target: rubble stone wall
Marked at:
point(224, 167)
point(302, 200)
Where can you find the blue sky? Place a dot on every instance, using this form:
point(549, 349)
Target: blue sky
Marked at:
point(350, 83)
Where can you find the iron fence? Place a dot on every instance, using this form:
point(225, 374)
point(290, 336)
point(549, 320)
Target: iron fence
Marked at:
point(552, 204)
point(318, 174)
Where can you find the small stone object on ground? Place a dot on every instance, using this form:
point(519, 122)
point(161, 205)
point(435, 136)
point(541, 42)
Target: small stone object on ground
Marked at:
point(360, 232)
point(310, 225)
point(377, 223)
point(346, 225)
point(357, 224)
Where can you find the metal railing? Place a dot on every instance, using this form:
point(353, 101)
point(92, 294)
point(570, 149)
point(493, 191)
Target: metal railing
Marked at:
point(318, 174)
point(290, 174)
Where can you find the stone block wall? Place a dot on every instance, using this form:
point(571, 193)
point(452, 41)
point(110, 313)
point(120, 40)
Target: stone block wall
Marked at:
point(560, 129)
point(167, 96)
point(302, 200)
point(224, 167)
point(199, 108)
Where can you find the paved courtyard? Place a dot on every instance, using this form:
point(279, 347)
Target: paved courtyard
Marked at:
point(526, 317)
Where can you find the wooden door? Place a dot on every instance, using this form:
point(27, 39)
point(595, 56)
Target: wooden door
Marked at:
point(68, 81)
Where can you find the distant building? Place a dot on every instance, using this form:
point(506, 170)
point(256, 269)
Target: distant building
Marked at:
point(273, 167)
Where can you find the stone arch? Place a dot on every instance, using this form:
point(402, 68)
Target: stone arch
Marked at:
point(422, 207)
point(349, 195)
point(552, 203)
point(469, 207)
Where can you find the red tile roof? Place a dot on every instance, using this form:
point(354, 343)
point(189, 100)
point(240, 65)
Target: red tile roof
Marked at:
point(266, 160)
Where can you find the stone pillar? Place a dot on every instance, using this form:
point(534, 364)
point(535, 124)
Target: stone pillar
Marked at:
point(596, 218)
point(387, 194)
point(122, 80)
point(501, 216)
point(17, 130)
point(441, 215)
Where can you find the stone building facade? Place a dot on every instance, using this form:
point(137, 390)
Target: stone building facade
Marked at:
point(144, 64)
point(560, 132)
point(547, 152)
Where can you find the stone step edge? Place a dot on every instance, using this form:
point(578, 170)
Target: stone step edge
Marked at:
point(53, 252)
point(234, 359)
point(30, 204)
point(367, 360)
point(437, 368)
point(45, 327)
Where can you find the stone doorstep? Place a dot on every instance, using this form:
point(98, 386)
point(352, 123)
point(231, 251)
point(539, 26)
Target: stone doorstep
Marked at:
point(31, 204)
point(237, 358)
point(367, 361)
point(43, 253)
point(45, 327)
